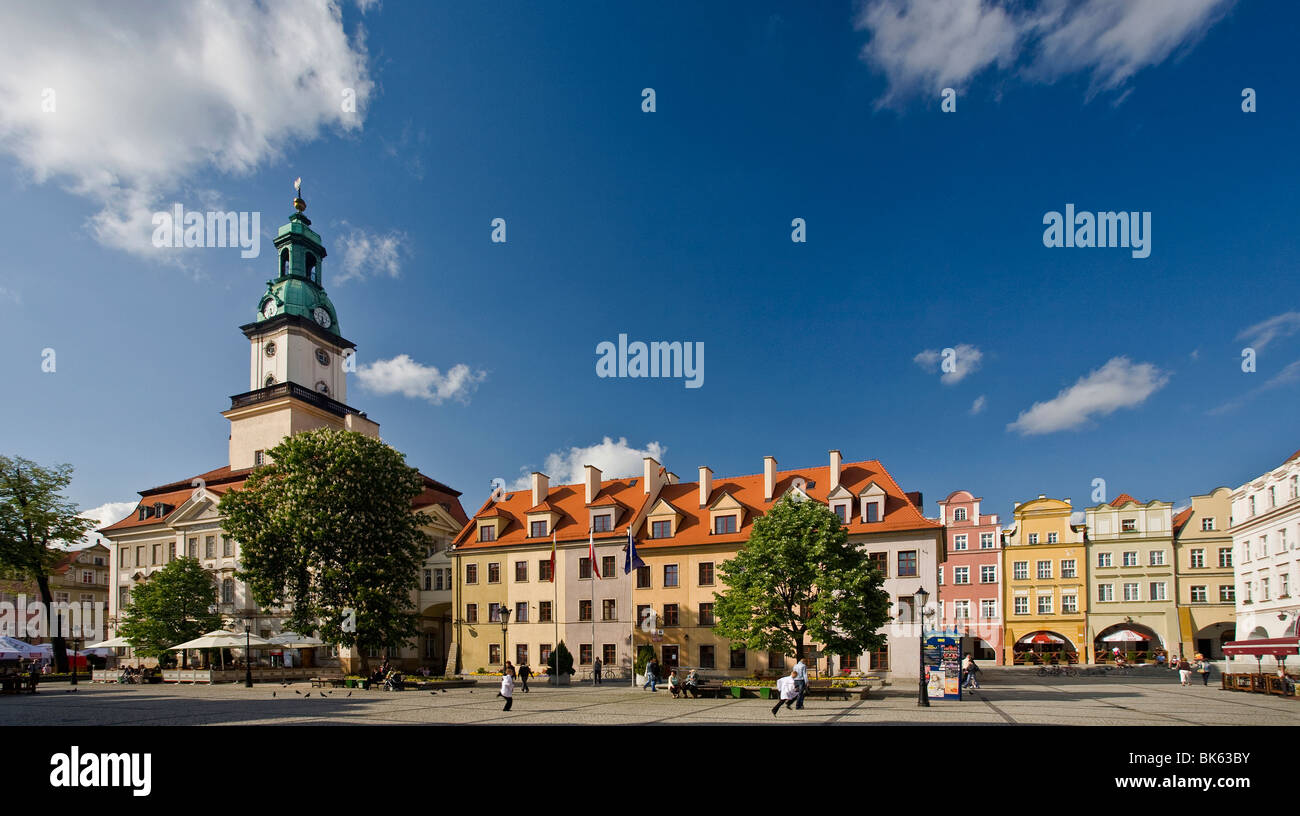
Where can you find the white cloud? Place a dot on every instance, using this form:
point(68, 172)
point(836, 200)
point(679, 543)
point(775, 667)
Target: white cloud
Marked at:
point(104, 515)
point(1266, 331)
point(367, 254)
point(1288, 375)
point(616, 460)
point(402, 375)
point(146, 99)
point(965, 360)
point(977, 407)
point(923, 46)
point(1120, 383)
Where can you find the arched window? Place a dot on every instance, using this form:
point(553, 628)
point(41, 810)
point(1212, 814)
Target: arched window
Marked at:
point(311, 267)
point(959, 514)
point(284, 262)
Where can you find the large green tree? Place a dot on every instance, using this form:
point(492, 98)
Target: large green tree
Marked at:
point(327, 528)
point(35, 518)
point(171, 607)
point(799, 579)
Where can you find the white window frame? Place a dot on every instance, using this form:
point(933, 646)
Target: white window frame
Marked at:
point(960, 542)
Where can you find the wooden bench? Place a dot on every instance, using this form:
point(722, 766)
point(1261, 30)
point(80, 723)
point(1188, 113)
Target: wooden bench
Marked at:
point(823, 688)
point(332, 682)
point(711, 690)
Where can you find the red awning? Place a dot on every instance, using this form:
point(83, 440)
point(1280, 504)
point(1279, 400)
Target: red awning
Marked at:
point(1267, 647)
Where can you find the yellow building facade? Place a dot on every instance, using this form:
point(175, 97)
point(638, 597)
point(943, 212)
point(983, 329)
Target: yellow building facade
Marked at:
point(1045, 577)
point(1206, 590)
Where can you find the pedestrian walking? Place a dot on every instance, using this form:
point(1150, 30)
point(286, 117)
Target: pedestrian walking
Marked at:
point(652, 675)
point(1184, 671)
point(524, 674)
point(1203, 669)
point(800, 682)
point(785, 692)
point(507, 686)
point(969, 670)
point(595, 671)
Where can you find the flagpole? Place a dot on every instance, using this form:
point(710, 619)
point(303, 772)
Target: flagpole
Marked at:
point(591, 556)
point(555, 612)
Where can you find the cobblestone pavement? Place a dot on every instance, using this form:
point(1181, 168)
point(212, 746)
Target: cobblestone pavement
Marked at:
point(1013, 700)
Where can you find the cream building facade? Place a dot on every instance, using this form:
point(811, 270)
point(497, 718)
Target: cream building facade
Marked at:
point(1266, 559)
point(1206, 585)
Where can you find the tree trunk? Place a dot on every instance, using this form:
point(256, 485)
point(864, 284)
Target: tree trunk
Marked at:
point(60, 646)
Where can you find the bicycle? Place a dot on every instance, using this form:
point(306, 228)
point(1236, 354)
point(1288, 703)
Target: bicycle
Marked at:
point(1056, 671)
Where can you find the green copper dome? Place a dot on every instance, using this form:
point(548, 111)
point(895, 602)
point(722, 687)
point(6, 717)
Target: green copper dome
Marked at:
point(297, 289)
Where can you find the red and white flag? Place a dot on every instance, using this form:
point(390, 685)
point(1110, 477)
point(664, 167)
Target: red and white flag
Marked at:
point(591, 553)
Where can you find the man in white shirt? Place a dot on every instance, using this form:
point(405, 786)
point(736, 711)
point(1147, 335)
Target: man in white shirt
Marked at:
point(785, 691)
point(800, 682)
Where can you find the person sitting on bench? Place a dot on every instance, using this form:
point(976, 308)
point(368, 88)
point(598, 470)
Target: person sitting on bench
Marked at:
point(674, 683)
point(692, 684)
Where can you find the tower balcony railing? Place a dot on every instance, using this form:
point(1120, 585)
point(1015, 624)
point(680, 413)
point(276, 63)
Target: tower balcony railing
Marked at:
point(292, 389)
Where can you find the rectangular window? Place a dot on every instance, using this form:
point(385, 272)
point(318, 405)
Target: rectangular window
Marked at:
point(139, 556)
point(1198, 559)
point(543, 611)
point(494, 613)
point(1207, 524)
point(1045, 604)
point(471, 613)
point(961, 575)
point(1104, 559)
point(873, 511)
point(428, 580)
point(989, 574)
point(521, 654)
point(193, 550)
point(1200, 594)
point(661, 529)
point(123, 559)
point(438, 581)
point(1131, 592)
point(1053, 538)
point(1130, 559)
point(537, 529)
point(737, 657)
point(706, 614)
point(607, 566)
point(602, 523)
point(1225, 556)
point(940, 576)
point(706, 658)
point(1021, 603)
point(642, 612)
point(1044, 570)
point(1263, 588)
point(670, 575)
point(609, 656)
point(227, 548)
point(521, 572)
point(1157, 558)
point(1105, 592)
point(544, 570)
point(157, 555)
point(880, 561)
point(584, 568)
point(494, 653)
point(961, 609)
point(986, 541)
point(1020, 570)
point(584, 654)
point(1069, 568)
point(494, 572)
point(879, 659)
point(842, 510)
point(907, 564)
point(584, 610)
point(609, 609)
point(1033, 538)
point(1227, 593)
point(544, 653)
point(471, 573)
point(521, 612)
point(210, 547)
point(988, 608)
point(1284, 585)
point(487, 532)
point(642, 577)
point(1069, 604)
point(171, 552)
point(959, 542)
point(1128, 525)
point(775, 661)
point(670, 615)
point(726, 524)
point(706, 573)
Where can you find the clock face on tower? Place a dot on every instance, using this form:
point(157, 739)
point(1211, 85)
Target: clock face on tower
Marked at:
point(322, 317)
point(268, 310)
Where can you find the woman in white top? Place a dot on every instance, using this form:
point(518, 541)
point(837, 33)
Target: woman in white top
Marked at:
point(786, 690)
point(508, 685)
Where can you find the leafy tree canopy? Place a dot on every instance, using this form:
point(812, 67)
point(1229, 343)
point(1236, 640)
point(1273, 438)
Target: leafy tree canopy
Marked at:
point(170, 607)
point(327, 528)
point(798, 580)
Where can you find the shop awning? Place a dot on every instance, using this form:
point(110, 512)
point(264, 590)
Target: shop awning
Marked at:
point(1041, 637)
point(1125, 636)
point(1266, 647)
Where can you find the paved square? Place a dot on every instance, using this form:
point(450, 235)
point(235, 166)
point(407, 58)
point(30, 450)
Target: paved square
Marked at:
point(1018, 699)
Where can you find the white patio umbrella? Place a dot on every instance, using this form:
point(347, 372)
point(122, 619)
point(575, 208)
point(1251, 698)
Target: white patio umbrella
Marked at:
point(111, 643)
point(1124, 636)
point(293, 640)
point(14, 649)
point(222, 639)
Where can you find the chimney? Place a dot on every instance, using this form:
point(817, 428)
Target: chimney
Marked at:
point(541, 486)
point(655, 475)
point(673, 479)
point(835, 471)
point(706, 485)
point(914, 496)
point(769, 477)
point(591, 476)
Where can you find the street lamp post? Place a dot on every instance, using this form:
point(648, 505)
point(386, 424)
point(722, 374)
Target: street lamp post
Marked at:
point(919, 599)
point(248, 662)
point(505, 642)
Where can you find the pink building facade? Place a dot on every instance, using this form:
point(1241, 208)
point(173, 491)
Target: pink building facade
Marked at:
point(970, 580)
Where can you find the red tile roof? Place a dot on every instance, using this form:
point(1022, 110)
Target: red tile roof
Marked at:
point(569, 501)
point(1181, 519)
point(1123, 499)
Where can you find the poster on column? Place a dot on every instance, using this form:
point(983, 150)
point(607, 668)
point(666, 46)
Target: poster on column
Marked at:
point(943, 665)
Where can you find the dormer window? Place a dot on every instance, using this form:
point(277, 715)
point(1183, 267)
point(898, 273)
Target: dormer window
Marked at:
point(1128, 525)
point(723, 525)
point(144, 514)
point(536, 529)
point(158, 509)
point(661, 529)
point(842, 510)
point(487, 532)
point(602, 523)
point(959, 514)
point(871, 512)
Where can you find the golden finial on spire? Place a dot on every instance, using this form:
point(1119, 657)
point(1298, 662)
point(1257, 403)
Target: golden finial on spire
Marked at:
point(298, 203)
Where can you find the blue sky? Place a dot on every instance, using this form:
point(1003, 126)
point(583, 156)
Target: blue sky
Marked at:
point(924, 232)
